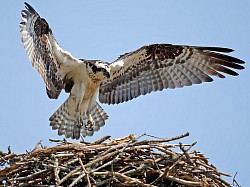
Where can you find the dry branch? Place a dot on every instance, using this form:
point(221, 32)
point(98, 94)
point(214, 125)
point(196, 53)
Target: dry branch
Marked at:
point(127, 161)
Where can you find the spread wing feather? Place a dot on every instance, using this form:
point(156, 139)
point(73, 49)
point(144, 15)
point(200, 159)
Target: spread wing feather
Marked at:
point(160, 66)
point(43, 51)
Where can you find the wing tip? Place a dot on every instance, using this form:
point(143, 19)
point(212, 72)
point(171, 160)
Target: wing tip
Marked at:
point(217, 53)
point(239, 61)
point(217, 49)
point(30, 8)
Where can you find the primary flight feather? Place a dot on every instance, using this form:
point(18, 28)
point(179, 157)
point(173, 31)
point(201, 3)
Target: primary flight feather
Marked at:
point(150, 68)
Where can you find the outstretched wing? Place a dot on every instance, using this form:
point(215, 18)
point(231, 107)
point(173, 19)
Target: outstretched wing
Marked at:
point(43, 51)
point(159, 66)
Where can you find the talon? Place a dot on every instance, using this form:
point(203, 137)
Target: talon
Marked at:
point(90, 129)
point(91, 121)
point(90, 124)
point(79, 125)
point(87, 126)
point(81, 120)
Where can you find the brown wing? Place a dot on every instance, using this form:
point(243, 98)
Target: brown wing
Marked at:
point(35, 33)
point(159, 66)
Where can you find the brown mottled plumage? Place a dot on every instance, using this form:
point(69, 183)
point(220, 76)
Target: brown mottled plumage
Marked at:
point(159, 66)
point(151, 68)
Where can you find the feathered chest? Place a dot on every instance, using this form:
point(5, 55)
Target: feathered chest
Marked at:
point(86, 73)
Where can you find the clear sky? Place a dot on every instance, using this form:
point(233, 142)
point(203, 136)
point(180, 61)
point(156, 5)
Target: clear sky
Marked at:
point(216, 114)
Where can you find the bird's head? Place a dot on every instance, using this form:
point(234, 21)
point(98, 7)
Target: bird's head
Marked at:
point(104, 68)
point(99, 68)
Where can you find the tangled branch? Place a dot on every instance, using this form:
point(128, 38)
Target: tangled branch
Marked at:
point(127, 161)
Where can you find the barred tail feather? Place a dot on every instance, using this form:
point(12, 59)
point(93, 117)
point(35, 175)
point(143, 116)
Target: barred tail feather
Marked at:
point(65, 120)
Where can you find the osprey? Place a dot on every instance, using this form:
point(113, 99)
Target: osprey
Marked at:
point(147, 69)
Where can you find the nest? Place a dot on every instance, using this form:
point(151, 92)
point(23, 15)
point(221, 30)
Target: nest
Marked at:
point(127, 161)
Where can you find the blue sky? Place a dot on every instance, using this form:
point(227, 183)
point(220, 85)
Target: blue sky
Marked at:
point(216, 114)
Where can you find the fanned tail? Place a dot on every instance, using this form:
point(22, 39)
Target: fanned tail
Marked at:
point(67, 123)
point(64, 119)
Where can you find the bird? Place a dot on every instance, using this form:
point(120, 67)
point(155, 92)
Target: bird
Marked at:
point(151, 68)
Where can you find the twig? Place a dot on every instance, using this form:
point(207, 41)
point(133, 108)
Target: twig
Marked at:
point(125, 178)
point(69, 175)
point(64, 141)
point(56, 170)
point(9, 150)
point(37, 146)
point(162, 140)
point(182, 181)
point(106, 181)
point(215, 177)
point(29, 177)
point(101, 140)
point(235, 182)
point(86, 173)
point(180, 158)
point(185, 151)
point(113, 160)
point(143, 166)
point(77, 180)
point(8, 156)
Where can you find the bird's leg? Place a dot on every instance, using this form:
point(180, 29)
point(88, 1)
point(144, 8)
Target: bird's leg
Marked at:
point(79, 117)
point(90, 123)
point(77, 93)
point(92, 102)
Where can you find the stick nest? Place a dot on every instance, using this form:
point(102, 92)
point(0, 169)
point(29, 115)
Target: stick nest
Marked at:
point(127, 161)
